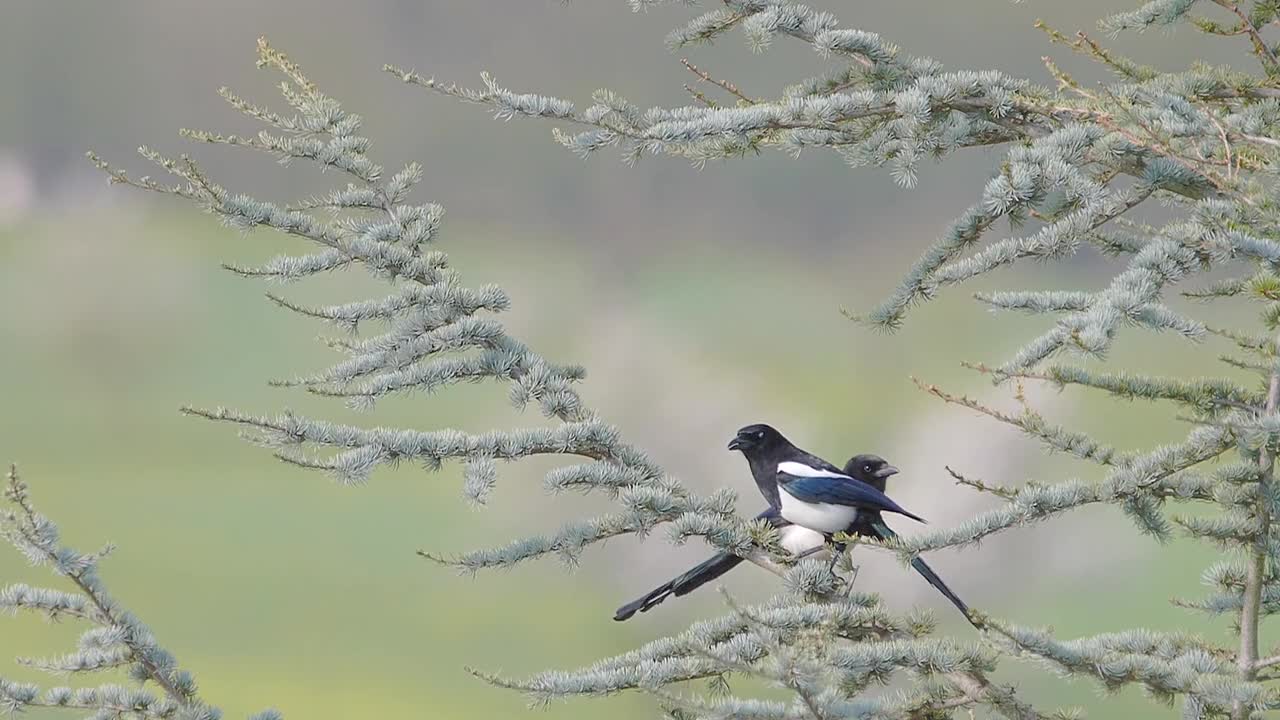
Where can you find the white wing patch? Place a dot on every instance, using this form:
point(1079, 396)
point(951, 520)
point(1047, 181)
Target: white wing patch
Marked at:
point(798, 469)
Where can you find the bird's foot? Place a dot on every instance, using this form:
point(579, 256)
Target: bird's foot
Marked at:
point(848, 586)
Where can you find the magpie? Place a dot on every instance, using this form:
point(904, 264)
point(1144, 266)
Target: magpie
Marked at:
point(805, 489)
point(875, 471)
point(870, 469)
point(797, 540)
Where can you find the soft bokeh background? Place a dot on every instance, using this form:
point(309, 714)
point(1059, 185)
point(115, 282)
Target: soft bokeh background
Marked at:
point(685, 293)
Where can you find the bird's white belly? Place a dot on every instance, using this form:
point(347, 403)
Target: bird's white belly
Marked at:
point(800, 540)
point(823, 517)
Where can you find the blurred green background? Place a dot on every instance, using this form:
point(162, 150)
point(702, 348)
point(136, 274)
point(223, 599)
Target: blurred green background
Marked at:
point(278, 588)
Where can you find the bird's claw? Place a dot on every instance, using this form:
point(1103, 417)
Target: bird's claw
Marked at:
point(841, 582)
point(848, 586)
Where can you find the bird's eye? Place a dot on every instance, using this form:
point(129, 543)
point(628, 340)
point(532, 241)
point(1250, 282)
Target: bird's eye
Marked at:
point(760, 434)
point(866, 468)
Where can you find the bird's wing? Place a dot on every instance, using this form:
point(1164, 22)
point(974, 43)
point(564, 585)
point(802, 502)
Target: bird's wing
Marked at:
point(815, 485)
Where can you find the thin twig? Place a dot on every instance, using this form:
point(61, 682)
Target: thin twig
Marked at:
point(1259, 45)
point(1260, 139)
point(1226, 143)
point(722, 84)
point(700, 96)
point(1003, 492)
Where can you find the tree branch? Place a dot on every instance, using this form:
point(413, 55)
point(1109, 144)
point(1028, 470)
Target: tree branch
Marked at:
point(1260, 48)
point(31, 527)
point(722, 84)
point(1251, 612)
point(1266, 662)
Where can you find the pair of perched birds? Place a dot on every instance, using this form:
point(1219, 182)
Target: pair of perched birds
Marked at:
point(810, 500)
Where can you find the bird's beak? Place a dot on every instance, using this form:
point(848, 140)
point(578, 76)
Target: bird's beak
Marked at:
point(735, 444)
point(886, 471)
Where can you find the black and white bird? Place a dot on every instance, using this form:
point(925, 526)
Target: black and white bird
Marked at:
point(800, 541)
point(806, 489)
point(875, 470)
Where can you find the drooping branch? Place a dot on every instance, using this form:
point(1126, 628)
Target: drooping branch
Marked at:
point(1082, 160)
point(436, 333)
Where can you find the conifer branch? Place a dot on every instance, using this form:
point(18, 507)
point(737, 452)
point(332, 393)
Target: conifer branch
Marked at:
point(1260, 47)
point(1206, 395)
point(1266, 662)
point(438, 333)
point(767, 641)
point(31, 532)
point(1251, 612)
point(1080, 160)
point(980, 486)
point(1144, 478)
point(1033, 424)
point(1166, 665)
point(118, 639)
point(1083, 44)
point(722, 84)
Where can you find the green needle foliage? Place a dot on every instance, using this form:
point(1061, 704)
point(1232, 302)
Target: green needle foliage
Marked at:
point(1202, 142)
point(115, 641)
point(432, 331)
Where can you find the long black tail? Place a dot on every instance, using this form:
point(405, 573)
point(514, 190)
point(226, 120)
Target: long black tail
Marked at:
point(692, 580)
point(929, 575)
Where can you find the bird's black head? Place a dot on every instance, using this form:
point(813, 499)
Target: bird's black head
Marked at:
point(871, 469)
point(757, 440)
